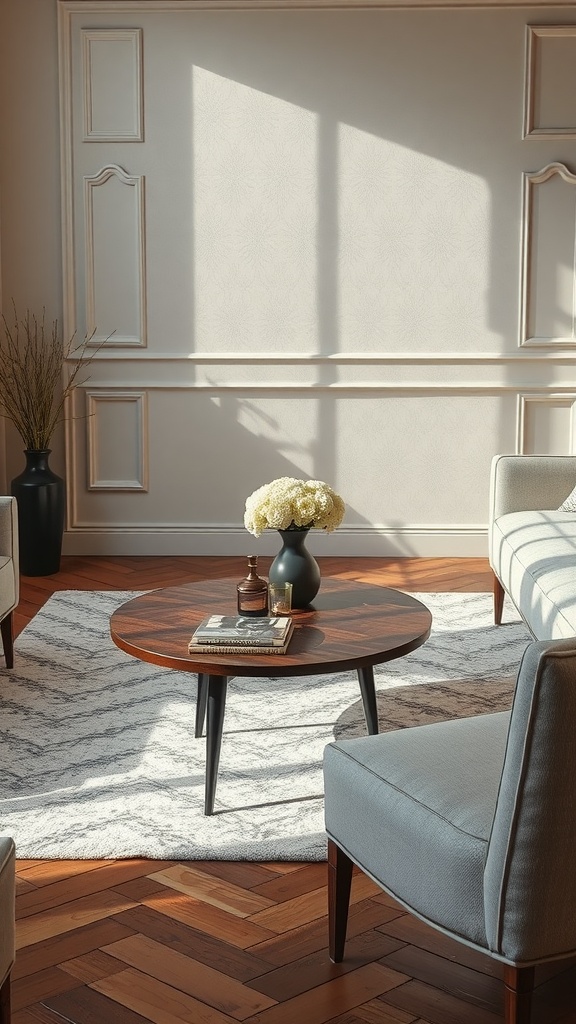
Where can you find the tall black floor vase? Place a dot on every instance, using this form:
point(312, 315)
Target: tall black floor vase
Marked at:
point(40, 496)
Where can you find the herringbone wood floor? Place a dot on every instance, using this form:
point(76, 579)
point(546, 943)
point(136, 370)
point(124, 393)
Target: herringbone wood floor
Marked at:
point(128, 942)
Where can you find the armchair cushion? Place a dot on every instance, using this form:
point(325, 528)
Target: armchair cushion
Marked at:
point(435, 787)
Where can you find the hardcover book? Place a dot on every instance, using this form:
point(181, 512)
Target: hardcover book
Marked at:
point(236, 649)
point(254, 635)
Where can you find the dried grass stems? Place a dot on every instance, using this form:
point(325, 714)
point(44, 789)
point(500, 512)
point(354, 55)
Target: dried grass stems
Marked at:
point(33, 391)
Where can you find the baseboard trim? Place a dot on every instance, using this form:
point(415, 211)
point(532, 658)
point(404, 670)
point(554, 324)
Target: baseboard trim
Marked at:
point(407, 542)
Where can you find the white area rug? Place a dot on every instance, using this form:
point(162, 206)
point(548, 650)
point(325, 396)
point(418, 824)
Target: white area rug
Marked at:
point(98, 756)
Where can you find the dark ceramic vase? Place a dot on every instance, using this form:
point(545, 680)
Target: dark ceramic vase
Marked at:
point(294, 564)
point(40, 497)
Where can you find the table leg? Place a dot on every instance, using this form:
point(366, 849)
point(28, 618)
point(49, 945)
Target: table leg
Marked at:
point(201, 698)
point(367, 689)
point(217, 686)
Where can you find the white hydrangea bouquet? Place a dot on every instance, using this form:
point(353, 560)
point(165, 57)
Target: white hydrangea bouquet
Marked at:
point(291, 504)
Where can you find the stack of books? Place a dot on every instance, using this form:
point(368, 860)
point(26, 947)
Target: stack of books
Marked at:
point(238, 634)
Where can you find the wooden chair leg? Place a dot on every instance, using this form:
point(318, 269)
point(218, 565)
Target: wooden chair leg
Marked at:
point(5, 1013)
point(339, 882)
point(499, 593)
point(6, 629)
point(518, 989)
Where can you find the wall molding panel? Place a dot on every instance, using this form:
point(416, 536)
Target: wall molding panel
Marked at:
point(117, 440)
point(548, 287)
point(115, 257)
point(547, 423)
point(112, 67)
point(550, 81)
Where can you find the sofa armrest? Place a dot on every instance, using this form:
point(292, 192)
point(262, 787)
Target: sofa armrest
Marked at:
point(9, 535)
point(521, 483)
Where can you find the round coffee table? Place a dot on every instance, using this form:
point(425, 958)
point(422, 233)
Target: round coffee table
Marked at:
point(349, 626)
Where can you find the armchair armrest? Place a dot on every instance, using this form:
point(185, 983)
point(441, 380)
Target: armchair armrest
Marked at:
point(520, 483)
point(9, 535)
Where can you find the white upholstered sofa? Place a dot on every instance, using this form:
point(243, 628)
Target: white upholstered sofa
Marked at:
point(532, 545)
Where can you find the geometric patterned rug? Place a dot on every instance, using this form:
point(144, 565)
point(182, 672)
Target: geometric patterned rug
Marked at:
point(97, 751)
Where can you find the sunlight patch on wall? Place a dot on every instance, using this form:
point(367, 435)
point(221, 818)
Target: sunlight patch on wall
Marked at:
point(414, 262)
point(254, 185)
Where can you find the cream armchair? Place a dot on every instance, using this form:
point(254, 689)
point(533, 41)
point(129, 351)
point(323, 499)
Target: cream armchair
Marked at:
point(9, 574)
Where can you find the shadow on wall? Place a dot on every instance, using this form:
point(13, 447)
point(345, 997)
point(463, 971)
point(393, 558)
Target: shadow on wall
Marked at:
point(238, 461)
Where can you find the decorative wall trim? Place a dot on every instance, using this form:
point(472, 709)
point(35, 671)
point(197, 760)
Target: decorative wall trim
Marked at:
point(136, 445)
point(420, 540)
point(339, 358)
point(99, 265)
point(66, 178)
point(553, 399)
point(531, 267)
point(273, 5)
point(130, 39)
point(401, 388)
point(535, 81)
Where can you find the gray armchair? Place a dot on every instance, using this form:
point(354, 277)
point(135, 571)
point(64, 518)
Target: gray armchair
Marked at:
point(9, 574)
point(470, 824)
point(7, 923)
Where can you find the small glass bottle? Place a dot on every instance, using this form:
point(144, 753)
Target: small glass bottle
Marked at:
point(252, 591)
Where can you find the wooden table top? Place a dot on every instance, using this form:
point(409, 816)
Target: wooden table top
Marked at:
point(348, 626)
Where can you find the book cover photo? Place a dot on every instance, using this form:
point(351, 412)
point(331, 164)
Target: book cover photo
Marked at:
point(238, 630)
point(241, 636)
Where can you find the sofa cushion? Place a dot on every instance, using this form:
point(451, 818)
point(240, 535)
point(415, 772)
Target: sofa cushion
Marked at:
point(534, 556)
point(569, 503)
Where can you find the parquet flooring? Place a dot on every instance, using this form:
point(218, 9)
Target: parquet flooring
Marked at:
point(129, 942)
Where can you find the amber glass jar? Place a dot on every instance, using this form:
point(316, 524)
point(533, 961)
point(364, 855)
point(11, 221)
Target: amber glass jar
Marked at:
point(252, 591)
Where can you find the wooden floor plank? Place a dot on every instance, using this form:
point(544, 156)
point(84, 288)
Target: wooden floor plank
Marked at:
point(107, 876)
point(236, 930)
point(215, 891)
point(433, 969)
point(205, 983)
point(411, 930)
point(86, 1006)
point(60, 948)
point(319, 1004)
point(238, 963)
point(316, 969)
point(305, 879)
point(439, 1007)
point(37, 987)
point(157, 1001)
point(299, 942)
point(37, 1014)
point(92, 966)
point(68, 916)
point(376, 1012)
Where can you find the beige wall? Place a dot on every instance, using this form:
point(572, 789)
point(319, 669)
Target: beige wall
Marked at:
point(334, 211)
point(30, 211)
